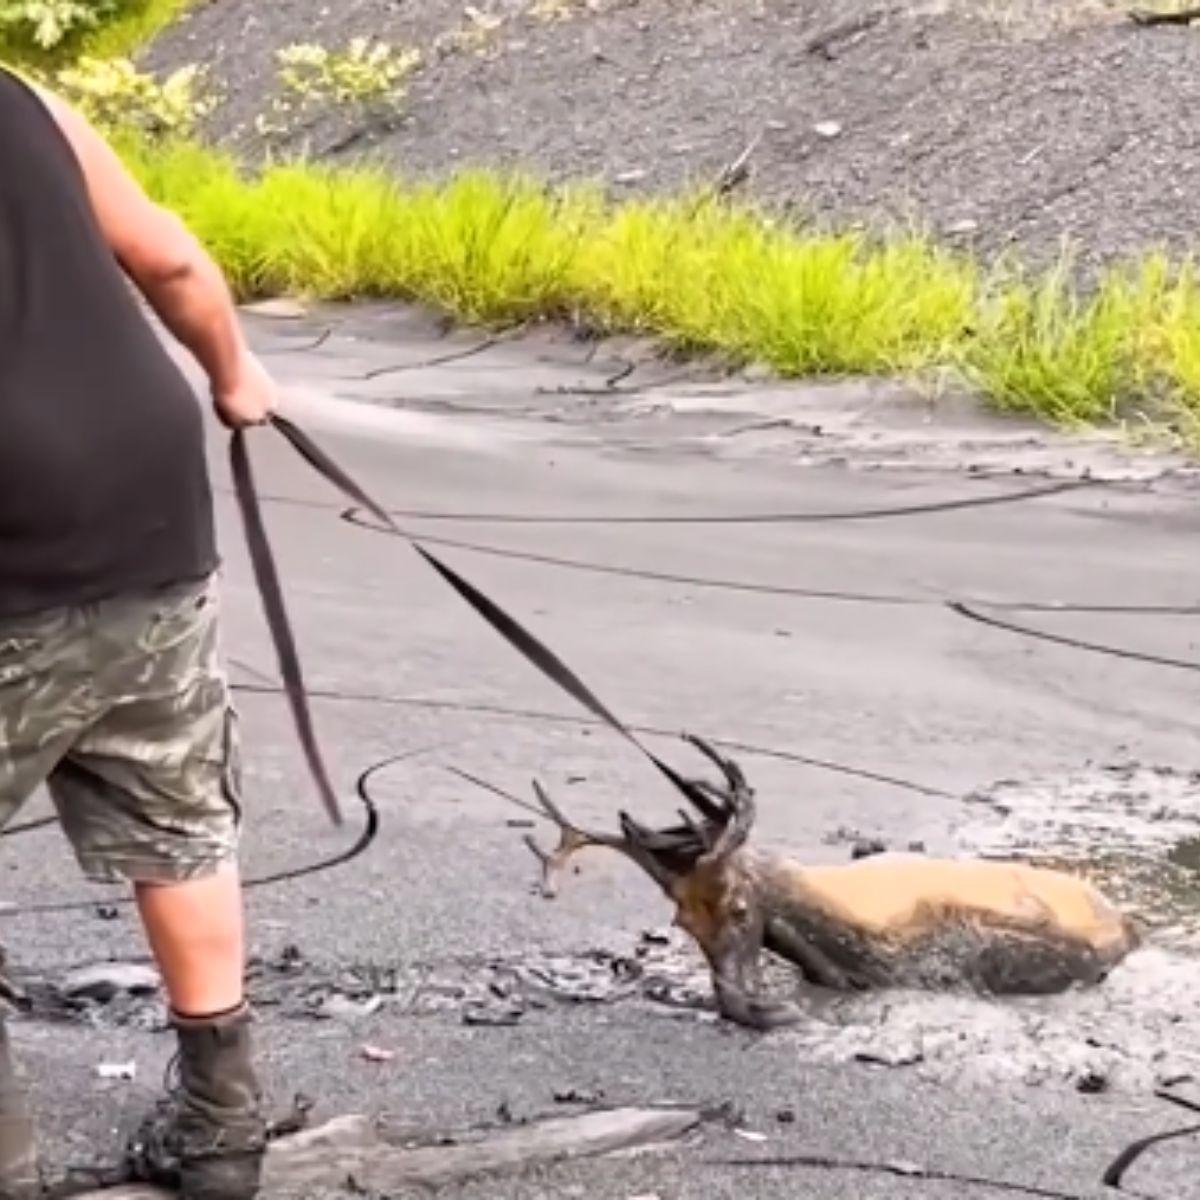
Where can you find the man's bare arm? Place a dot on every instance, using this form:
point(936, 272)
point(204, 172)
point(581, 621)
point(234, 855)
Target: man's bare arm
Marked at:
point(178, 278)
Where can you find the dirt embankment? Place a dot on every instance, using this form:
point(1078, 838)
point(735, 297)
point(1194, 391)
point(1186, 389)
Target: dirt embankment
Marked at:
point(998, 126)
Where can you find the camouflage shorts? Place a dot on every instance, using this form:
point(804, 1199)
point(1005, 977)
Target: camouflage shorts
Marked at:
point(123, 710)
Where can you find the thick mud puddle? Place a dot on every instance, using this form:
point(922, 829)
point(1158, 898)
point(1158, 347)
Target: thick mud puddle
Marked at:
point(1133, 830)
point(1140, 1029)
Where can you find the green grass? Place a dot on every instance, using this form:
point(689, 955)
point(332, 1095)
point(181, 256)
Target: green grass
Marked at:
point(138, 22)
point(702, 276)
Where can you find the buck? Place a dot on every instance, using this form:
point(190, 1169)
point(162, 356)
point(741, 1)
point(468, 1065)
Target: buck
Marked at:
point(888, 920)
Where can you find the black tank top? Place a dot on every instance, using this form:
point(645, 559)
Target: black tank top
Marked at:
point(103, 479)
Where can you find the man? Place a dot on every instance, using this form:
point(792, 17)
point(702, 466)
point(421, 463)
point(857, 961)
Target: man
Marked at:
point(111, 690)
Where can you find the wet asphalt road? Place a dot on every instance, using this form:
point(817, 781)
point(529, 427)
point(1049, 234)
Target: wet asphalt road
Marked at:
point(826, 649)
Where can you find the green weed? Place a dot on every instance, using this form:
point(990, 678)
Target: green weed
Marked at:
point(137, 23)
point(45, 34)
point(486, 247)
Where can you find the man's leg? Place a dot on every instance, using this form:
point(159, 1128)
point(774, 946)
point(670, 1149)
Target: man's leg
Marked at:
point(195, 932)
point(44, 700)
point(151, 794)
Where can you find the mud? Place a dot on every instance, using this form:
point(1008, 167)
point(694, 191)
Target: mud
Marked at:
point(1139, 1029)
point(1134, 829)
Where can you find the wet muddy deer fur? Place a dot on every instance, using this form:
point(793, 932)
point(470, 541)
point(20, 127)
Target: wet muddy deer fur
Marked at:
point(888, 920)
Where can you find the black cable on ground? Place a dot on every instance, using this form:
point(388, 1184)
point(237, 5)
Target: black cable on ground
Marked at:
point(368, 835)
point(1072, 643)
point(1115, 1174)
point(354, 517)
point(784, 517)
point(550, 718)
point(820, 1162)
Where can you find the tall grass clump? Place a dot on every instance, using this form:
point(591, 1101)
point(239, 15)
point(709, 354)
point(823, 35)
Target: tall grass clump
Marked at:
point(1175, 350)
point(841, 303)
point(496, 248)
point(707, 276)
point(491, 248)
point(1075, 357)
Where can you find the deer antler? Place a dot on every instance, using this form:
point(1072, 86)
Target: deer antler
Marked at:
point(572, 839)
point(736, 800)
point(634, 844)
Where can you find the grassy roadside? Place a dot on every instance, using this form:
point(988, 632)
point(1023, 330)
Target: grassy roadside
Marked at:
point(704, 277)
point(700, 274)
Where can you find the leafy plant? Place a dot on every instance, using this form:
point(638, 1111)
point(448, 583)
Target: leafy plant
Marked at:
point(117, 97)
point(45, 34)
point(364, 70)
point(365, 75)
point(46, 24)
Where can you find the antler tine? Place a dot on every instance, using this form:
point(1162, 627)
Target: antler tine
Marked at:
point(572, 839)
point(738, 802)
point(723, 803)
point(730, 769)
point(696, 830)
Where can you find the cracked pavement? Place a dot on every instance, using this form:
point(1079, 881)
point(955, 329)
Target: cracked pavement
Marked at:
point(426, 981)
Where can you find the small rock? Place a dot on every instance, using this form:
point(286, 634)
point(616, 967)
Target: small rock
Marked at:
point(898, 1056)
point(343, 1008)
point(867, 847)
point(750, 1135)
point(117, 1070)
point(578, 1096)
point(281, 306)
point(634, 176)
point(1092, 1083)
point(105, 981)
point(492, 1015)
point(107, 912)
point(961, 228)
point(828, 129)
point(377, 1054)
point(786, 1116)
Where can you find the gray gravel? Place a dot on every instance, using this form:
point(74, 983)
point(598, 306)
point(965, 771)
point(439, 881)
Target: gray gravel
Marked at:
point(997, 133)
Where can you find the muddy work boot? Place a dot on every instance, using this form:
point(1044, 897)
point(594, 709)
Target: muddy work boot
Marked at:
point(19, 1174)
point(208, 1139)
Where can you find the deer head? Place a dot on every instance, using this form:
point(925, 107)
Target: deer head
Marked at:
point(671, 855)
point(699, 866)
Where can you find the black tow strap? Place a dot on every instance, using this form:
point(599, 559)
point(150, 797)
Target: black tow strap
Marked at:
point(267, 578)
